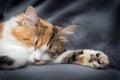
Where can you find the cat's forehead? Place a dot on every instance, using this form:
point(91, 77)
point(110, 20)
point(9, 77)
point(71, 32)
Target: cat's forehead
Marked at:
point(20, 17)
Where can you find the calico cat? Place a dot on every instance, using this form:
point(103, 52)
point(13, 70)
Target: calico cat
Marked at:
point(27, 39)
point(25, 32)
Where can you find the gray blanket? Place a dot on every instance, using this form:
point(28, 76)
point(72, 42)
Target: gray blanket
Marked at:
point(98, 24)
point(59, 72)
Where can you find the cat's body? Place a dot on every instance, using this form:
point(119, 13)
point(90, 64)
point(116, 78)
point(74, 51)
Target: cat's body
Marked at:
point(26, 38)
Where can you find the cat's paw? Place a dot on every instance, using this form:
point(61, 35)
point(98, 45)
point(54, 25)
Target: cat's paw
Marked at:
point(92, 58)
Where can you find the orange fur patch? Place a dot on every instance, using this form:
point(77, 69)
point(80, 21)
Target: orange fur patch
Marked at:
point(25, 35)
point(79, 60)
point(1, 29)
point(46, 33)
point(20, 17)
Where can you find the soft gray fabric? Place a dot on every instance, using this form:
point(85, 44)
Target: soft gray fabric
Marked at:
point(98, 24)
point(59, 72)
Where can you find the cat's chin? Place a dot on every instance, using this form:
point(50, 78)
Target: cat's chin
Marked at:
point(40, 62)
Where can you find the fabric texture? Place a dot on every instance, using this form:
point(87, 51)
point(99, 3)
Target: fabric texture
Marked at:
point(98, 27)
point(59, 72)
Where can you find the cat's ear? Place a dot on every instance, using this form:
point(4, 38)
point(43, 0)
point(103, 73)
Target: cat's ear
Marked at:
point(66, 32)
point(31, 16)
point(58, 28)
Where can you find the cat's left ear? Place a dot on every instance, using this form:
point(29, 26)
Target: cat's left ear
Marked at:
point(66, 32)
point(31, 16)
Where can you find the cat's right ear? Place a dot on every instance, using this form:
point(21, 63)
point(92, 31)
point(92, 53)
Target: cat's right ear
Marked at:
point(31, 16)
point(66, 32)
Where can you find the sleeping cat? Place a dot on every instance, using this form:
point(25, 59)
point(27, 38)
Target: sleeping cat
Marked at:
point(27, 39)
point(25, 32)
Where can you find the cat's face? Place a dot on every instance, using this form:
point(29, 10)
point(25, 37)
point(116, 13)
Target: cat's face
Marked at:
point(31, 30)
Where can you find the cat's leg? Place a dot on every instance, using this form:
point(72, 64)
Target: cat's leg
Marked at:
point(63, 56)
point(90, 58)
point(12, 57)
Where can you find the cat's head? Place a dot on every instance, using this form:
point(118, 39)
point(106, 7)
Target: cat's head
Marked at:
point(38, 31)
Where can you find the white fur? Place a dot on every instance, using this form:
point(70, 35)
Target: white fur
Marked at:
point(38, 53)
point(17, 53)
point(46, 57)
point(8, 25)
point(41, 54)
point(62, 56)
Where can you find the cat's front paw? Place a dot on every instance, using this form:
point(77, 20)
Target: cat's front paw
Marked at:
point(92, 58)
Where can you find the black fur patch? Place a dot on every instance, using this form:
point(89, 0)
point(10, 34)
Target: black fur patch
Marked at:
point(5, 60)
point(71, 58)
